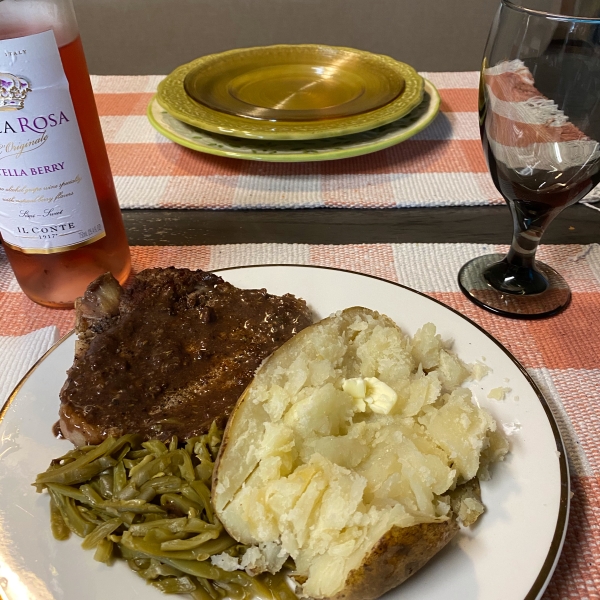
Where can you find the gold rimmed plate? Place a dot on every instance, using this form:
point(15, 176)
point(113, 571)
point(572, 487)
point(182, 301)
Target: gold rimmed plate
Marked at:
point(294, 83)
point(509, 555)
point(357, 93)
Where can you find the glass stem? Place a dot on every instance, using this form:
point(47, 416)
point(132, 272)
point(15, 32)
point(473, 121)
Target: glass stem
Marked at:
point(517, 273)
point(527, 233)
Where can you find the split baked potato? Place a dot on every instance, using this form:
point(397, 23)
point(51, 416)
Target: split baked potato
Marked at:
point(355, 451)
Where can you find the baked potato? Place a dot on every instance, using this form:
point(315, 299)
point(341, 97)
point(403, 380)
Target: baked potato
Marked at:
point(355, 451)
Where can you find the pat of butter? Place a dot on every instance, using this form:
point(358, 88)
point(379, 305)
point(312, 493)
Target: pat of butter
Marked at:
point(357, 388)
point(379, 396)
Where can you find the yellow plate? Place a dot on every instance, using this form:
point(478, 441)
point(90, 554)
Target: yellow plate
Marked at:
point(333, 148)
point(174, 99)
point(294, 83)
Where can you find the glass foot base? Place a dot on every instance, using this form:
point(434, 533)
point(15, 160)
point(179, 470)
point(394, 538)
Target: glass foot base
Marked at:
point(518, 306)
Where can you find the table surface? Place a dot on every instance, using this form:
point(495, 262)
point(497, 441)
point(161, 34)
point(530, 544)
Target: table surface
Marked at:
point(577, 224)
point(172, 195)
point(561, 353)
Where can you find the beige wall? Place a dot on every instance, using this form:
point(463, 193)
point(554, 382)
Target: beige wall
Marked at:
point(154, 36)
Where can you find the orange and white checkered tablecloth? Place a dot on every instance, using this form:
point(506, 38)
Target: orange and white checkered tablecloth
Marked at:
point(561, 353)
point(441, 166)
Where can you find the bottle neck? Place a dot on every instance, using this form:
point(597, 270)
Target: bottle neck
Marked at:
point(19, 18)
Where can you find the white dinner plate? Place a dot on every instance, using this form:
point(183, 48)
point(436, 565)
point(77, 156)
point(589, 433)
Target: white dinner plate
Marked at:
point(509, 555)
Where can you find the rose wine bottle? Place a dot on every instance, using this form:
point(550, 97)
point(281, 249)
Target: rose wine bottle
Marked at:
point(60, 220)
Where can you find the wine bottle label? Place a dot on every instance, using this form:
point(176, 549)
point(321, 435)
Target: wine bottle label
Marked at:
point(47, 198)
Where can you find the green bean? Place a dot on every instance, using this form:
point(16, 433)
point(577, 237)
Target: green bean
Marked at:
point(71, 516)
point(207, 462)
point(191, 543)
point(67, 490)
point(140, 476)
point(92, 497)
point(72, 472)
point(90, 515)
point(233, 591)
point(188, 492)
point(107, 461)
point(150, 504)
point(135, 454)
point(156, 447)
point(175, 585)
point(105, 485)
point(204, 470)
point(147, 495)
point(128, 492)
point(208, 587)
point(72, 455)
point(60, 530)
point(222, 543)
point(160, 535)
point(203, 493)
point(178, 503)
point(278, 585)
point(101, 532)
point(125, 450)
point(201, 594)
point(134, 506)
point(104, 551)
point(128, 517)
point(237, 550)
point(152, 550)
point(162, 485)
point(75, 474)
point(214, 436)
point(186, 468)
point(137, 564)
point(200, 569)
point(119, 478)
point(190, 443)
point(173, 525)
point(94, 483)
point(139, 465)
point(258, 589)
point(158, 569)
point(151, 545)
point(200, 526)
point(197, 568)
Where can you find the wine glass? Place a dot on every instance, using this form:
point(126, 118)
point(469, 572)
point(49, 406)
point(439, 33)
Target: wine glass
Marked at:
point(539, 106)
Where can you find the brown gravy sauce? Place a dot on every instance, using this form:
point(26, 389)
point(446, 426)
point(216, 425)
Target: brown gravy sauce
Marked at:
point(180, 359)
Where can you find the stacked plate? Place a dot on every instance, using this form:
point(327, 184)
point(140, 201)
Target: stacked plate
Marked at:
point(293, 103)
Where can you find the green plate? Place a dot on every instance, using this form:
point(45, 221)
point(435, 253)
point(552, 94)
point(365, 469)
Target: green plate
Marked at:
point(342, 110)
point(294, 83)
point(298, 150)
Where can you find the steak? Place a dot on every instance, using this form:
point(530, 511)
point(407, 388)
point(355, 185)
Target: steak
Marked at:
point(168, 355)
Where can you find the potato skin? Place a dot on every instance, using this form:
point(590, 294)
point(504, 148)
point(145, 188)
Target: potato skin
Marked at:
point(400, 553)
